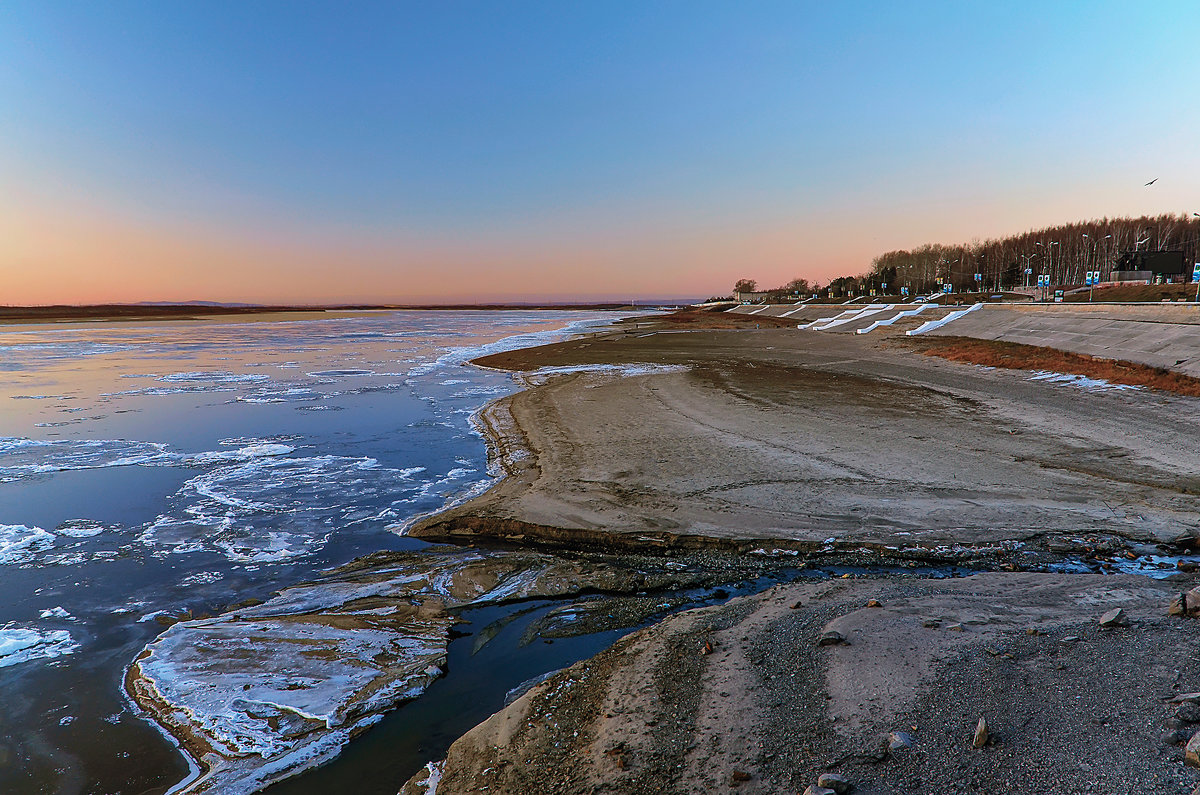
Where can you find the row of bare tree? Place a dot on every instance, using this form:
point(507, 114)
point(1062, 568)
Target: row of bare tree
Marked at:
point(1065, 253)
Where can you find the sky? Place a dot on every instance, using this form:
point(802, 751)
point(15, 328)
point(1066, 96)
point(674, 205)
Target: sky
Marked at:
point(407, 152)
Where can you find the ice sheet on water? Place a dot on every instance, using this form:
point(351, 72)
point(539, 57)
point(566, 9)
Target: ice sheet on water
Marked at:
point(255, 503)
point(22, 458)
point(80, 528)
point(346, 373)
point(202, 578)
point(74, 349)
point(247, 453)
point(271, 507)
point(163, 391)
point(280, 395)
point(21, 544)
point(21, 644)
point(214, 377)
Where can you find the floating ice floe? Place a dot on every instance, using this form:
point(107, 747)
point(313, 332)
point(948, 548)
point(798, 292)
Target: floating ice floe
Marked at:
point(263, 506)
point(21, 644)
point(22, 458)
point(242, 454)
point(164, 391)
point(286, 395)
point(56, 612)
point(340, 373)
point(21, 544)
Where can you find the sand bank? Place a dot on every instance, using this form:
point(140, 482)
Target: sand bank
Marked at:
point(787, 440)
point(781, 442)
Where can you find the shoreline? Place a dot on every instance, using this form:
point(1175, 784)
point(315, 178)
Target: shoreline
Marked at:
point(595, 475)
point(595, 415)
point(205, 761)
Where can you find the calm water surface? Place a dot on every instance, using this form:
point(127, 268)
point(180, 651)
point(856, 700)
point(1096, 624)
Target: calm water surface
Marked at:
point(153, 470)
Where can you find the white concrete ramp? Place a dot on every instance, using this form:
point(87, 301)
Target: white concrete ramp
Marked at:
point(890, 320)
point(942, 321)
point(860, 319)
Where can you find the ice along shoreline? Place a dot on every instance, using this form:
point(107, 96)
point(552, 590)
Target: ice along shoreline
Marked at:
point(198, 728)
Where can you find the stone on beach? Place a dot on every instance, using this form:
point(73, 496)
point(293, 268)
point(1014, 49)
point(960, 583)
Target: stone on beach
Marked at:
point(1191, 751)
point(1114, 618)
point(1185, 603)
point(981, 733)
point(834, 781)
point(831, 637)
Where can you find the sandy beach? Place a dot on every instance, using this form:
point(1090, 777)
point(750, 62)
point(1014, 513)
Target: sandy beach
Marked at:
point(810, 442)
point(780, 443)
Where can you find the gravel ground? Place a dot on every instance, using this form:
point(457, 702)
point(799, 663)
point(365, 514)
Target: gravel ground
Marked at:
point(1073, 708)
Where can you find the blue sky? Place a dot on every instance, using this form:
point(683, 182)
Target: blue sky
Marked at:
point(479, 150)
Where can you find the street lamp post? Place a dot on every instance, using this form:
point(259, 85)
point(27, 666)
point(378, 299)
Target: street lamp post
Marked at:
point(1194, 274)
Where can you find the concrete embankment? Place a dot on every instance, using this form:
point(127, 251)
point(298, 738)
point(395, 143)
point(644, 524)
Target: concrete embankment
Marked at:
point(1166, 335)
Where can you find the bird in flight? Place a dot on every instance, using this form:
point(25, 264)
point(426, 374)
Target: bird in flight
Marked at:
point(1151, 182)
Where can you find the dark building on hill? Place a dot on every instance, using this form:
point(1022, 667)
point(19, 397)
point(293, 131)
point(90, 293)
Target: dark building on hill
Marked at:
point(1151, 266)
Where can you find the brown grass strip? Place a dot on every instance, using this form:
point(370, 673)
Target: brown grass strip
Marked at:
point(1017, 356)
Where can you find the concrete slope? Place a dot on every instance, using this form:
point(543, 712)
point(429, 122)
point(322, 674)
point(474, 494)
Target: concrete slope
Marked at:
point(1157, 335)
point(811, 312)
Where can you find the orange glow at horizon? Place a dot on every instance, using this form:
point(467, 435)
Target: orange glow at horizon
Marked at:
point(71, 252)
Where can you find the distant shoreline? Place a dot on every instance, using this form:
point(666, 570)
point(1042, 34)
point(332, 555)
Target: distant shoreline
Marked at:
point(108, 312)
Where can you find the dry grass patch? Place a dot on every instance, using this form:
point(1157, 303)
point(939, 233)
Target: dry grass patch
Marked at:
point(1153, 293)
point(1016, 356)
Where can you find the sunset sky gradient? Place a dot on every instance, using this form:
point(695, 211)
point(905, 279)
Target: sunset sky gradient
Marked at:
point(451, 151)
